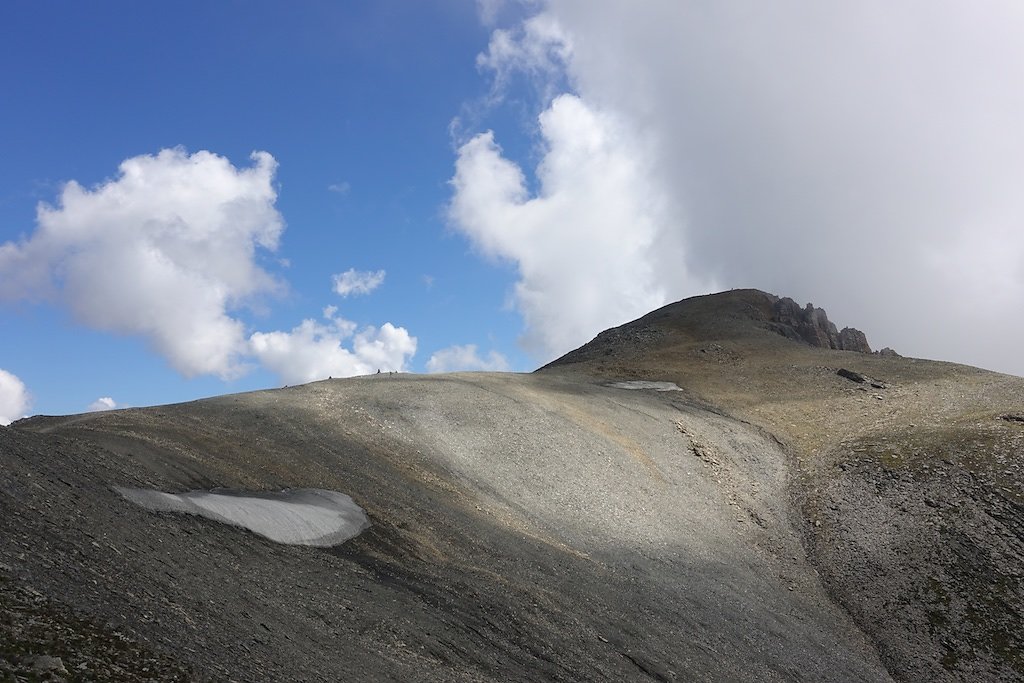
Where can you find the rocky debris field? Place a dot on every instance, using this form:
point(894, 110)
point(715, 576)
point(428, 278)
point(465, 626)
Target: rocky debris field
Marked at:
point(43, 640)
point(929, 526)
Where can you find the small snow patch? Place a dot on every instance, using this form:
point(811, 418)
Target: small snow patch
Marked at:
point(641, 384)
point(314, 517)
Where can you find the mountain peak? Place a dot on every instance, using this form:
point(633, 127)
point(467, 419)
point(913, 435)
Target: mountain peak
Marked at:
point(736, 314)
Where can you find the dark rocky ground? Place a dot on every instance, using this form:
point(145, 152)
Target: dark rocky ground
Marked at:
point(923, 534)
point(773, 521)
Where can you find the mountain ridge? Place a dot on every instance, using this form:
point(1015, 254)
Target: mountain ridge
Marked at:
point(770, 520)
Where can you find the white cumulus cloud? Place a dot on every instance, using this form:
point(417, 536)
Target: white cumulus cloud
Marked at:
point(316, 350)
point(101, 404)
point(14, 398)
point(165, 250)
point(354, 281)
point(457, 358)
point(585, 244)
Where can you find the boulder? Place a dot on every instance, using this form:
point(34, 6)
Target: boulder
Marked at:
point(851, 375)
point(48, 664)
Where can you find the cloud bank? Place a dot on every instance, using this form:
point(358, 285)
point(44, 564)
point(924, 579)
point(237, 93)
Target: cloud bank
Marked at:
point(14, 398)
point(316, 350)
point(164, 251)
point(866, 156)
point(466, 358)
point(101, 404)
point(168, 250)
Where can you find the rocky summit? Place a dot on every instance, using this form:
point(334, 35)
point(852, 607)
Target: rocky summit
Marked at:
point(813, 326)
point(727, 489)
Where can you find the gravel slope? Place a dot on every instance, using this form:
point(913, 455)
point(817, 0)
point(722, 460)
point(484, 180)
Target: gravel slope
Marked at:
point(524, 527)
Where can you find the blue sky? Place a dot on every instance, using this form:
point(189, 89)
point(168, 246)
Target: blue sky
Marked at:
point(357, 97)
point(526, 174)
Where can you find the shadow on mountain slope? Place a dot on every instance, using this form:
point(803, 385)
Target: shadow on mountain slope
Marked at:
point(524, 528)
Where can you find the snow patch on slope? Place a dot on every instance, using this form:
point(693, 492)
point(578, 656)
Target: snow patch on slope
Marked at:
point(642, 384)
point(315, 517)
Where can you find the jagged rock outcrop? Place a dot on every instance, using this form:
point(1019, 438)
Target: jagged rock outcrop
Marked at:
point(812, 325)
